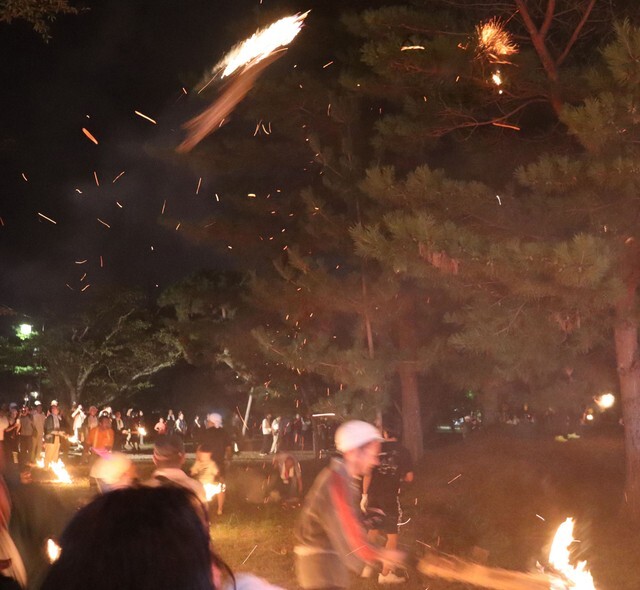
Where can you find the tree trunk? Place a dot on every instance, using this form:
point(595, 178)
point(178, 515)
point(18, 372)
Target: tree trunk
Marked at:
point(411, 416)
point(626, 337)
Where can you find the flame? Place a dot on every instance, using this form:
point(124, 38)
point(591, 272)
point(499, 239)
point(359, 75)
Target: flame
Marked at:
point(578, 576)
point(494, 40)
point(261, 44)
point(212, 489)
point(40, 463)
point(61, 472)
point(606, 401)
point(142, 431)
point(53, 550)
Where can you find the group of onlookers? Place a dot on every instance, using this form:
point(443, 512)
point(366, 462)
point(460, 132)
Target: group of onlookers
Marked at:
point(284, 434)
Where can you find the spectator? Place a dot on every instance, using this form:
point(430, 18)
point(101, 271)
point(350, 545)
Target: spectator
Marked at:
point(161, 426)
point(101, 437)
point(11, 434)
point(38, 426)
point(181, 425)
point(169, 456)
point(275, 430)
point(171, 422)
point(119, 432)
point(79, 417)
point(267, 435)
point(287, 483)
point(205, 470)
point(26, 435)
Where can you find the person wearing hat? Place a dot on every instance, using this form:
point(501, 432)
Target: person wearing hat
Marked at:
point(331, 540)
point(169, 456)
point(216, 440)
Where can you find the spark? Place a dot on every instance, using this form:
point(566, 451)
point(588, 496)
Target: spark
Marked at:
point(494, 41)
point(81, 261)
point(178, 226)
point(89, 135)
point(145, 117)
point(53, 551)
point(117, 177)
point(250, 554)
point(456, 477)
point(411, 47)
point(506, 126)
point(496, 78)
point(499, 201)
point(95, 176)
point(85, 287)
point(327, 64)
point(69, 286)
point(163, 207)
point(101, 262)
point(541, 518)
point(103, 223)
point(25, 177)
point(78, 191)
point(198, 187)
point(119, 205)
point(48, 218)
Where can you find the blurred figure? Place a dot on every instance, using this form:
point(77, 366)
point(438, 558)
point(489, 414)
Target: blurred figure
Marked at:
point(161, 426)
point(331, 539)
point(275, 431)
point(381, 492)
point(119, 433)
point(38, 426)
point(205, 470)
point(138, 539)
point(113, 471)
point(181, 425)
point(169, 456)
point(267, 435)
point(26, 436)
point(79, 417)
point(216, 440)
point(286, 486)
point(171, 422)
point(101, 437)
point(53, 430)
point(12, 565)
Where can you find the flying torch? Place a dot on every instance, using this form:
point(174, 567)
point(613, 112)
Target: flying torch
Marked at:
point(245, 62)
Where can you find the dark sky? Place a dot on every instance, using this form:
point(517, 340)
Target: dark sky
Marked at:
point(98, 68)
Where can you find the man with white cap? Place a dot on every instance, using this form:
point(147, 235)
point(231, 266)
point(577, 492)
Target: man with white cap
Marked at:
point(331, 540)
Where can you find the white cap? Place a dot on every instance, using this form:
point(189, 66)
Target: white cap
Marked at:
point(215, 419)
point(355, 434)
point(37, 403)
point(54, 402)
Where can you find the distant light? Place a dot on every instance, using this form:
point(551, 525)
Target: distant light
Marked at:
point(589, 417)
point(25, 330)
point(605, 401)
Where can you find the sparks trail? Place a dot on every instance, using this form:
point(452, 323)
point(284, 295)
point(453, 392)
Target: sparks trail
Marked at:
point(247, 61)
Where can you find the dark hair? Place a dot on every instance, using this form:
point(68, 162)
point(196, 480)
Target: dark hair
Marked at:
point(138, 538)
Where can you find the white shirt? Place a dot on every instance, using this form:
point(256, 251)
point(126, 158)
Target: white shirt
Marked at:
point(4, 424)
point(266, 427)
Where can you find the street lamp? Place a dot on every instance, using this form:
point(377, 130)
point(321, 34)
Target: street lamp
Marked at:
point(25, 330)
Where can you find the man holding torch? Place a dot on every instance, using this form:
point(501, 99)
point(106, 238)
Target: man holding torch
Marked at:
point(331, 538)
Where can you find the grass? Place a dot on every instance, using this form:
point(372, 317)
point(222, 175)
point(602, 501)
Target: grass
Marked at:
point(492, 497)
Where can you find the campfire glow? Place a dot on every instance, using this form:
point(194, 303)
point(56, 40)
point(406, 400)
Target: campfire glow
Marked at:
point(61, 472)
point(577, 577)
point(212, 489)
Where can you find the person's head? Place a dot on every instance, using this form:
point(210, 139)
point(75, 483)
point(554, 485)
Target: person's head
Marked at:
point(170, 413)
point(180, 416)
point(203, 454)
point(359, 443)
point(161, 420)
point(24, 410)
point(38, 408)
point(136, 539)
point(93, 411)
point(214, 420)
point(118, 415)
point(391, 429)
point(168, 451)
point(55, 410)
point(104, 422)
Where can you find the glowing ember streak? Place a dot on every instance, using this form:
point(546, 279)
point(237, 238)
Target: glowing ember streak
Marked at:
point(456, 477)
point(494, 41)
point(578, 576)
point(249, 59)
point(25, 177)
point(103, 223)
point(85, 287)
point(497, 78)
point(163, 207)
point(53, 551)
point(327, 64)
point(61, 472)
point(89, 135)
point(47, 218)
point(116, 178)
point(81, 261)
point(506, 126)
point(101, 262)
point(212, 489)
point(145, 117)
point(261, 44)
point(199, 183)
point(411, 47)
point(95, 176)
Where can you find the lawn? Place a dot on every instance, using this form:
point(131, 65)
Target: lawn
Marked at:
point(493, 498)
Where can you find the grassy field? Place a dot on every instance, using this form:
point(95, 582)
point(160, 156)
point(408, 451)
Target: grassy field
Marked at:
point(494, 498)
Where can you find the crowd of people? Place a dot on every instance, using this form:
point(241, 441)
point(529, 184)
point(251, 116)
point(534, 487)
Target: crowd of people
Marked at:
point(334, 534)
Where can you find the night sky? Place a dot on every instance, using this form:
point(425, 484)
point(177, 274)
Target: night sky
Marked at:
point(99, 67)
